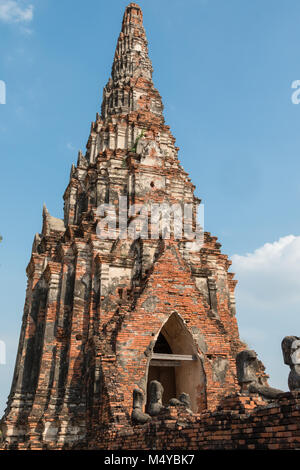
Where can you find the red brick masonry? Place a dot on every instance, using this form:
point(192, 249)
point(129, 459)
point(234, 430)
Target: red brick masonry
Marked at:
point(241, 424)
point(97, 308)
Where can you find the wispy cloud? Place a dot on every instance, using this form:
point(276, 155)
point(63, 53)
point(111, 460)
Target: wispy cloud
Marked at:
point(70, 146)
point(268, 300)
point(271, 274)
point(15, 11)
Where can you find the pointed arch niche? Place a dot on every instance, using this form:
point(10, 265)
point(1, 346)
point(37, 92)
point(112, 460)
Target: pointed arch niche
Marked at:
point(176, 364)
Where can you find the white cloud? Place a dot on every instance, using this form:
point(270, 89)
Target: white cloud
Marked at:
point(13, 11)
point(70, 146)
point(272, 273)
point(268, 300)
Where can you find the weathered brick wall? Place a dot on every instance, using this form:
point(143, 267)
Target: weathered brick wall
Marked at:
point(171, 288)
point(241, 424)
point(95, 306)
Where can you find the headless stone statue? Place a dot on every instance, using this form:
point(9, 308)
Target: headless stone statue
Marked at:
point(137, 415)
point(156, 394)
point(291, 355)
point(184, 399)
point(251, 377)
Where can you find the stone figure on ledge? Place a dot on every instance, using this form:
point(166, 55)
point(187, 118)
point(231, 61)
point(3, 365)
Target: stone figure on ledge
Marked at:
point(184, 399)
point(251, 376)
point(137, 415)
point(291, 355)
point(156, 394)
point(155, 407)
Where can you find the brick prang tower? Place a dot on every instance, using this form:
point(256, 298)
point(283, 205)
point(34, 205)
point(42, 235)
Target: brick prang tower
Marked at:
point(100, 312)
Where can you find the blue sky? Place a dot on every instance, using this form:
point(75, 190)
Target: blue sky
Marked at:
point(224, 70)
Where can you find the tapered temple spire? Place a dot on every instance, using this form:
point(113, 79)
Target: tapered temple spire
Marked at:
point(132, 47)
point(95, 307)
point(130, 87)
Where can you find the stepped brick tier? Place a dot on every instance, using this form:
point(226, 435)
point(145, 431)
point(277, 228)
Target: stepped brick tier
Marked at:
point(105, 317)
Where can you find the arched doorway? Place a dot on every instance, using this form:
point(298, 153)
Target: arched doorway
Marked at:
point(162, 371)
point(176, 364)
